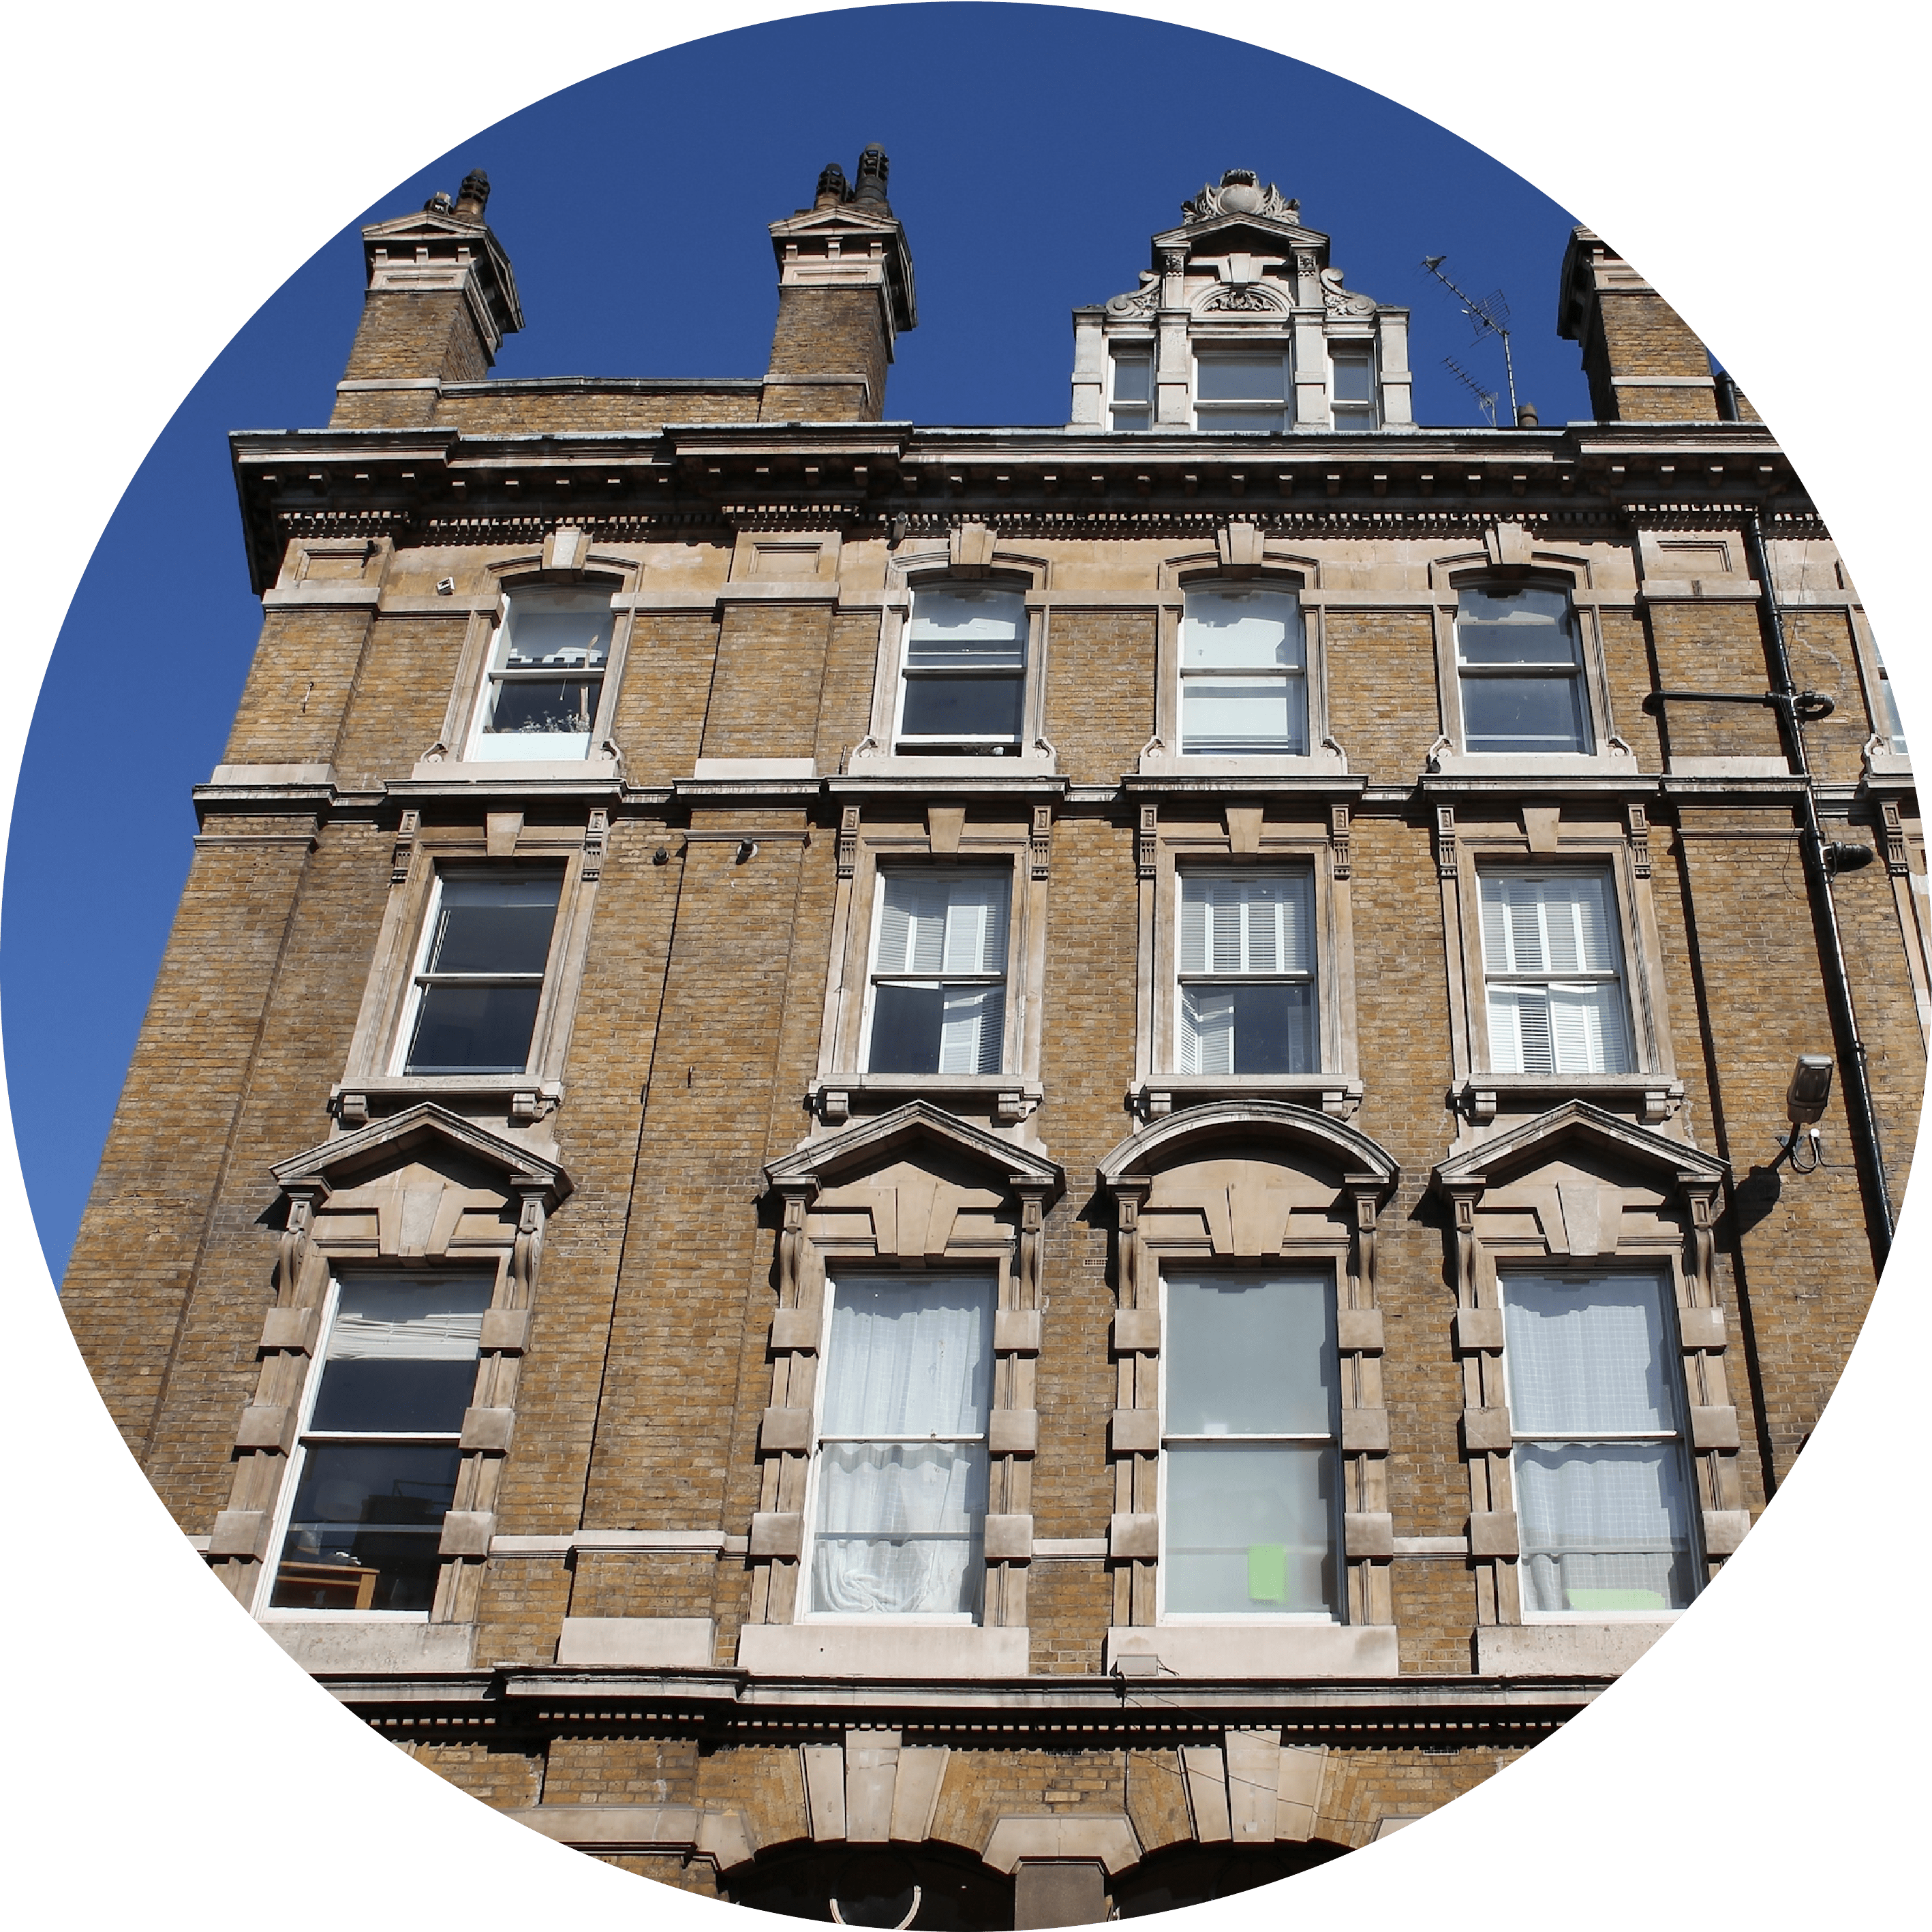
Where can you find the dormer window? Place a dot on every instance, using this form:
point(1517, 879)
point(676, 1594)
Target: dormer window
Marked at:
point(1130, 402)
point(964, 690)
point(1353, 367)
point(1241, 389)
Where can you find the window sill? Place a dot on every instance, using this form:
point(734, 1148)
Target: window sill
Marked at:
point(912, 764)
point(1599, 1649)
point(882, 1648)
point(1007, 1097)
point(600, 771)
point(1333, 1093)
point(1888, 765)
point(372, 1642)
point(1653, 1097)
point(521, 1098)
point(1446, 762)
point(1253, 1650)
point(1157, 761)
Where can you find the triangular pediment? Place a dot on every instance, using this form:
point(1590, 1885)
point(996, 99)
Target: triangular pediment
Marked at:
point(868, 1146)
point(428, 1133)
point(1225, 234)
point(1194, 1133)
point(1492, 1161)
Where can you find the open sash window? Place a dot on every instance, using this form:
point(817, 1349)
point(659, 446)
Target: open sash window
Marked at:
point(546, 677)
point(964, 683)
point(1246, 972)
point(1250, 1480)
point(899, 1527)
point(1603, 1489)
point(939, 973)
point(374, 1472)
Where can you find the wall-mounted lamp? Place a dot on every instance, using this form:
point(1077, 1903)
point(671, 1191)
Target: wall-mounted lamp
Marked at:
point(1805, 1100)
point(747, 848)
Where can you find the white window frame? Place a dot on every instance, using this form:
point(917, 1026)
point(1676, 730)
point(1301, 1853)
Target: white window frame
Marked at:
point(263, 1609)
point(477, 744)
point(1577, 676)
point(1352, 348)
point(1207, 348)
point(975, 1619)
point(976, 746)
point(1617, 975)
point(1119, 350)
point(1660, 1271)
point(1004, 978)
point(1317, 1618)
point(1311, 977)
point(421, 978)
point(1305, 676)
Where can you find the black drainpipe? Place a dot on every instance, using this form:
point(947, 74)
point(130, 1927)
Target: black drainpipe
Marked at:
point(1858, 1109)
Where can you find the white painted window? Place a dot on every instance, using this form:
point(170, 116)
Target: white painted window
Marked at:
point(1246, 956)
point(480, 968)
point(1352, 385)
point(545, 681)
point(963, 690)
point(1552, 969)
point(1130, 397)
point(1250, 1476)
point(1888, 724)
point(1520, 669)
point(1243, 673)
point(899, 1518)
point(1242, 389)
point(939, 973)
point(374, 1470)
point(1603, 1485)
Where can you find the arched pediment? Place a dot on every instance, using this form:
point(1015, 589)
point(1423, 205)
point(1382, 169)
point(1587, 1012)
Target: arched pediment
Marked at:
point(1544, 1138)
point(926, 1137)
point(1195, 1135)
point(429, 1136)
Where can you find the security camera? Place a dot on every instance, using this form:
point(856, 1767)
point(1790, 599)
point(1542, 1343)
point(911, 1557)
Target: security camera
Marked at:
point(1810, 1089)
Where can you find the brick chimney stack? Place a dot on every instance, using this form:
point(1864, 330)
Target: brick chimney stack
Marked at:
point(1643, 363)
point(440, 299)
point(845, 291)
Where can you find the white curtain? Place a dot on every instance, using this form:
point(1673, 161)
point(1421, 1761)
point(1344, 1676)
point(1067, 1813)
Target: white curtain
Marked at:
point(899, 1527)
point(1562, 924)
point(379, 1320)
point(1242, 630)
point(979, 629)
point(1605, 1526)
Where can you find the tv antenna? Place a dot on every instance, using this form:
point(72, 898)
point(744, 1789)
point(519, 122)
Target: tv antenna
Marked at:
point(1490, 313)
point(1486, 399)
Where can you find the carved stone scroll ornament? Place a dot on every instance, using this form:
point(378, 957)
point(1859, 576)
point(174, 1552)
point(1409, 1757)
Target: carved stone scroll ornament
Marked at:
point(1244, 298)
point(1239, 192)
point(1140, 301)
point(1339, 301)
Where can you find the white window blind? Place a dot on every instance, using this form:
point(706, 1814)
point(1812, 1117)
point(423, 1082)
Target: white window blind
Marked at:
point(1551, 957)
point(939, 993)
point(1247, 963)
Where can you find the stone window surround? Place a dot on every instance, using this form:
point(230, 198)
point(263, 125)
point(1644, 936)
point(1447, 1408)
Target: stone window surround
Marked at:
point(565, 561)
point(1285, 833)
point(807, 1257)
point(1509, 553)
point(1140, 1634)
point(970, 555)
point(1466, 850)
point(420, 855)
point(1015, 835)
point(314, 1251)
point(1681, 1252)
point(1242, 555)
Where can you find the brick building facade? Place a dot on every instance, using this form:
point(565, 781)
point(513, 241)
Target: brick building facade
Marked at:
point(1052, 1164)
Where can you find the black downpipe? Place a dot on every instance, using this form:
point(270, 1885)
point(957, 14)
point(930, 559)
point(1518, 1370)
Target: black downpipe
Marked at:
point(1858, 1108)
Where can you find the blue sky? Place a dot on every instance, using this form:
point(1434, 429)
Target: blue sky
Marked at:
point(1033, 151)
